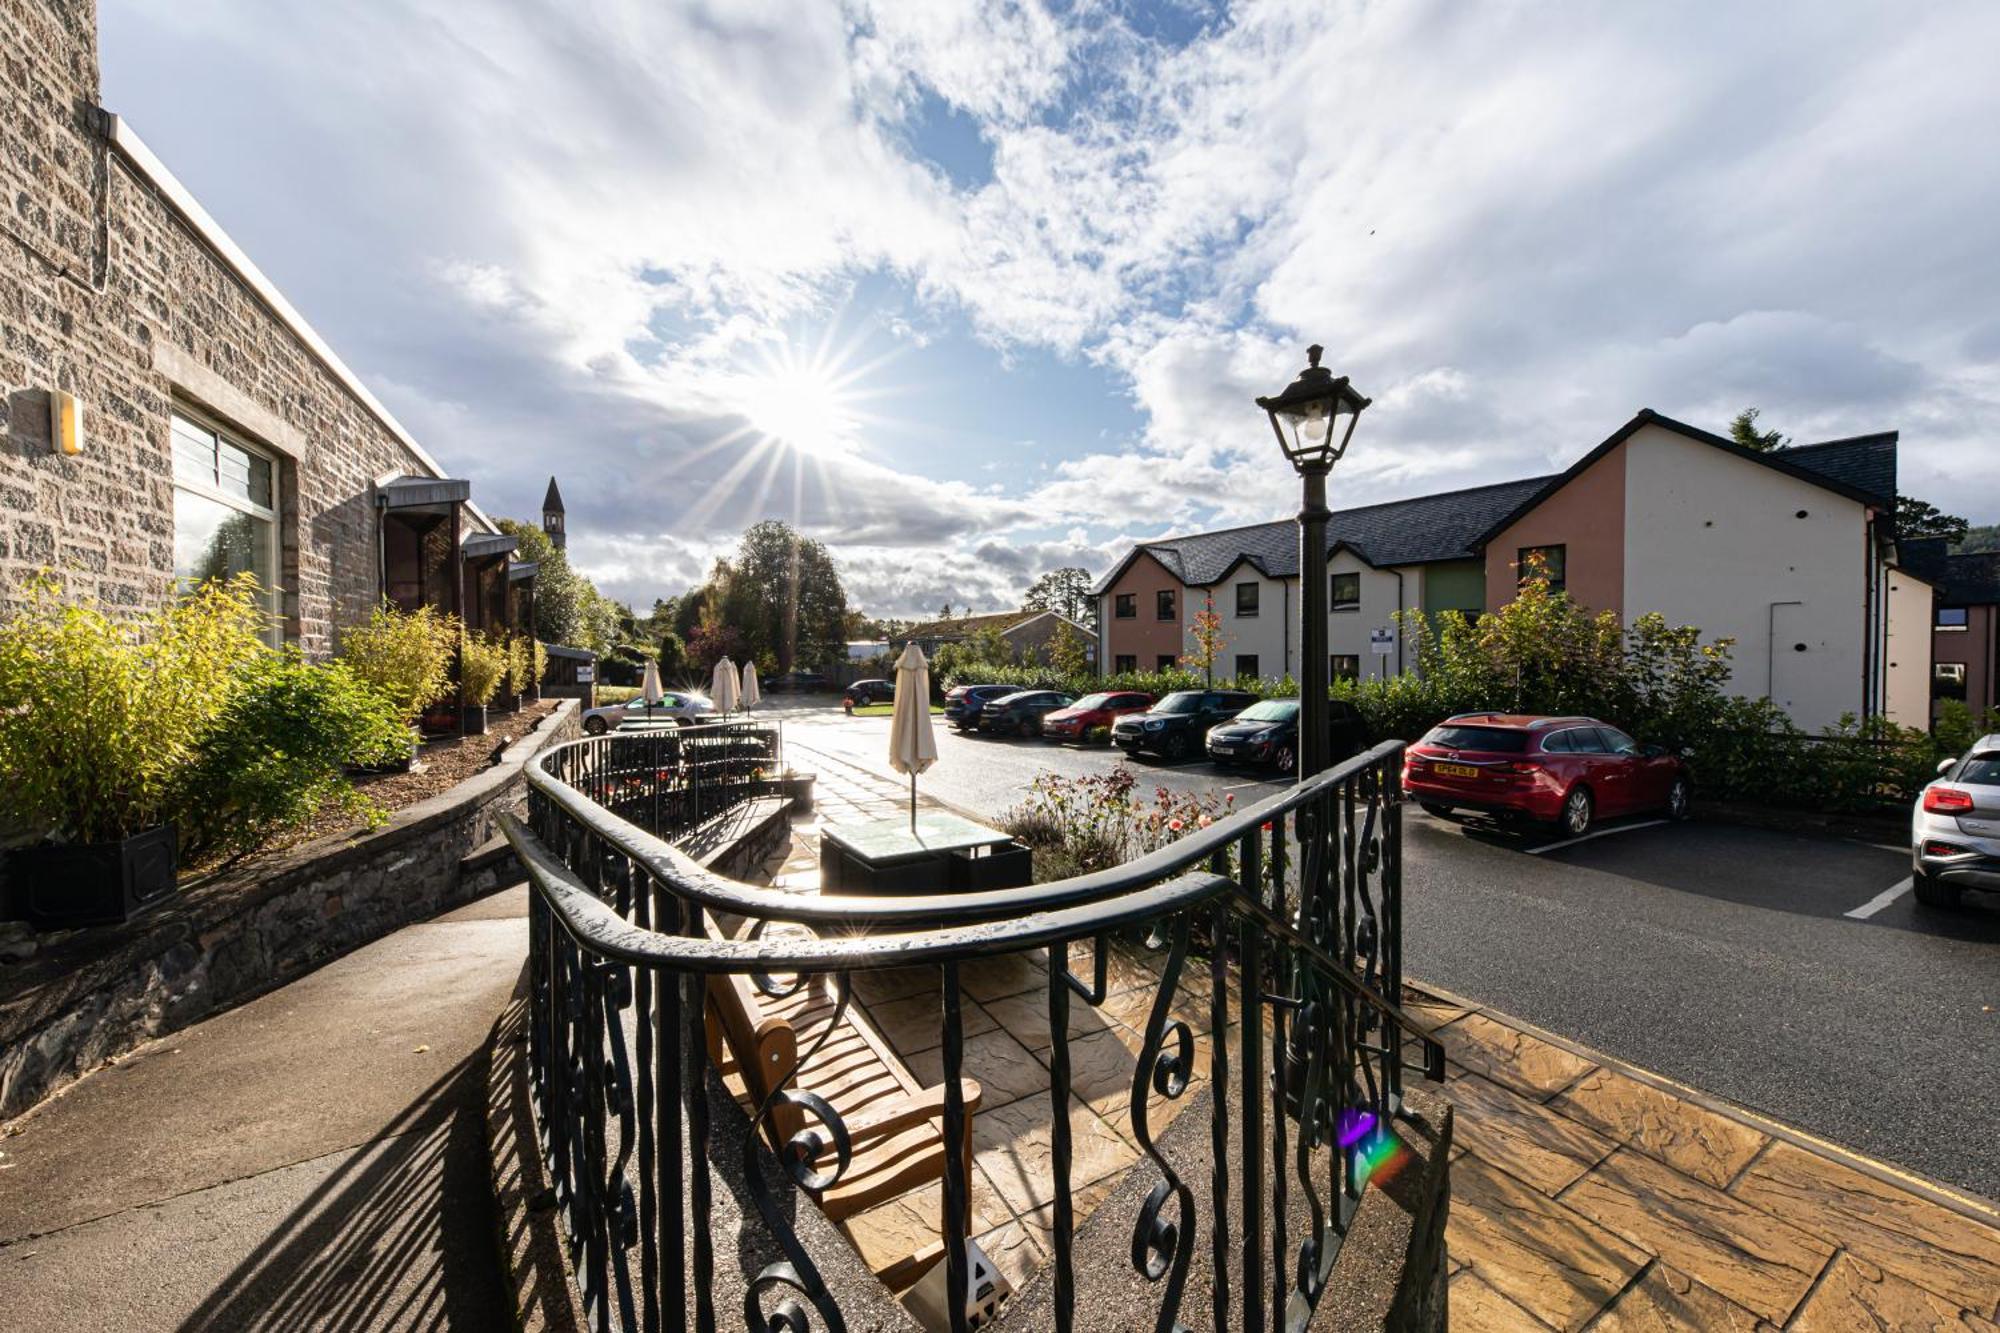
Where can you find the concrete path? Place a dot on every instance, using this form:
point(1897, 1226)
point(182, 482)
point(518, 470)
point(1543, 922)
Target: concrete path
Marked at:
point(314, 1159)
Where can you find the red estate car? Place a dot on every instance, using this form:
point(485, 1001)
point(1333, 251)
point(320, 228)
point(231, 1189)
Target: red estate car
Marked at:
point(1566, 771)
point(1092, 711)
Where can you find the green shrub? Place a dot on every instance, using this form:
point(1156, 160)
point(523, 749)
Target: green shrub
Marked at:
point(520, 663)
point(482, 661)
point(276, 758)
point(99, 718)
point(404, 654)
point(540, 664)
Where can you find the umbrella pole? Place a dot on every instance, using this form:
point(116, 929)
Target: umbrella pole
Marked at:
point(913, 802)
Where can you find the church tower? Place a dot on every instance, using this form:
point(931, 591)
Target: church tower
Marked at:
point(552, 517)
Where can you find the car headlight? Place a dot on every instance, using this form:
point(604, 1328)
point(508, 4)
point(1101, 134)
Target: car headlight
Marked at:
point(1153, 724)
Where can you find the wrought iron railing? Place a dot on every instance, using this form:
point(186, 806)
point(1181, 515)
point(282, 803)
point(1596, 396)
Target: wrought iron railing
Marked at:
point(1296, 903)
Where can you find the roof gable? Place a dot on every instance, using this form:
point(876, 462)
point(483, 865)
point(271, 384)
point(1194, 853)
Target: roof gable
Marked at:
point(1862, 469)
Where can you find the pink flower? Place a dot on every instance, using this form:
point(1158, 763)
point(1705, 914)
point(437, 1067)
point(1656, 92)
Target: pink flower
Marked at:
point(1174, 825)
point(1206, 821)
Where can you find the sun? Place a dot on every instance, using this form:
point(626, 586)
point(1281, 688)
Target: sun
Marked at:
point(812, 402)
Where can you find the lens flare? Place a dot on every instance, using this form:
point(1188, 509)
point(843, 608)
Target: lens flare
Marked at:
point(1377, 1152)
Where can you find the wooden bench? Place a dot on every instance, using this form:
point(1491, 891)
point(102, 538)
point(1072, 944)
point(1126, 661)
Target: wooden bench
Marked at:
point(895, 1125)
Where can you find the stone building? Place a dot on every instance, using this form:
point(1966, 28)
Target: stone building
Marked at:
point(164, 412)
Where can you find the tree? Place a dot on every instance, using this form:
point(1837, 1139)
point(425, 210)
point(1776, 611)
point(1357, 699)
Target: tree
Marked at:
point(1744, 431)
point(1066, 592)
point(1209, 640)
point(1067, 651)
point(1916, 518)
point(568, 607)
point(782, 596)
point(1984, 537)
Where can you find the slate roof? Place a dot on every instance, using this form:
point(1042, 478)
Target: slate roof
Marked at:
point(552, 501)
point(1398, 532)
point(1865, 463)
point(964, 627)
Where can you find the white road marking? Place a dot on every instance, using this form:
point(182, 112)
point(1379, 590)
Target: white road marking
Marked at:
point(1601, 833)
point(1881, 900)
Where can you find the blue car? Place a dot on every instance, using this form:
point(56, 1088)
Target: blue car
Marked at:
point(964, 703)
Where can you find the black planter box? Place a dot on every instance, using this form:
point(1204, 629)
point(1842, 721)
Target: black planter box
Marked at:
point(92, 884)
point(472, 719)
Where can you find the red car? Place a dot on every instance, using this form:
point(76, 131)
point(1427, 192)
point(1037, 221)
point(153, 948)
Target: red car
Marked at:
point(1092, 711)
point(1566, 771)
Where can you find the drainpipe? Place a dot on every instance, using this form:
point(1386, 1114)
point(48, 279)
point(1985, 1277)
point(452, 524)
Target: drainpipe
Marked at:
point(1399, 621)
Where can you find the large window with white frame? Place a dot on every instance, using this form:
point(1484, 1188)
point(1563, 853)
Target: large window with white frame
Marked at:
point(226, 507)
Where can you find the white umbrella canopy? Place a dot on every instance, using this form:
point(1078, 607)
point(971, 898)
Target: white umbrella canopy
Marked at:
point(650, 689)
point(752, 696)
point(912, 743)
point(722, 689)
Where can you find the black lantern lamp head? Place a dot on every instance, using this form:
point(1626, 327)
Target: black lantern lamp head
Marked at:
point(1314, 417)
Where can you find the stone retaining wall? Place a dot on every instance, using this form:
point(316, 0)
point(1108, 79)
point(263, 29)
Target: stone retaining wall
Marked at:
point(100, 993)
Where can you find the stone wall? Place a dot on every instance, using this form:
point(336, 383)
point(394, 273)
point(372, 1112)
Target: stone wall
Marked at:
point(107, 292)
point(100, 993)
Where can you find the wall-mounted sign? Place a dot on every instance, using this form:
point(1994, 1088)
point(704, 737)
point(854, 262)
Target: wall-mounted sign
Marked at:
point(586, 674)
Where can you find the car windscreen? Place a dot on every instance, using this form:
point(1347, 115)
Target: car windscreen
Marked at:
point(1180, 701)
point(1092, 701)
point(1493, 740)
point(1981, 770)
point(1271, 710)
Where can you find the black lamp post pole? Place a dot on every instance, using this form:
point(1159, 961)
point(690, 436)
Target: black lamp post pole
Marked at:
point(1313, 593)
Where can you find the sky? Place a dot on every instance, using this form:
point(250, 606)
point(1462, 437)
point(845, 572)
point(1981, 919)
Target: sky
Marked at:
point(973, 289)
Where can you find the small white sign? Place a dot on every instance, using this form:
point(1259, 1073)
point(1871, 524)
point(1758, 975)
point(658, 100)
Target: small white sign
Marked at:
point(1382, 641)
point(586, 674)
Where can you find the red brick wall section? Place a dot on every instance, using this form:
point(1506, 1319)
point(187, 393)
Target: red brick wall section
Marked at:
point(83, 303)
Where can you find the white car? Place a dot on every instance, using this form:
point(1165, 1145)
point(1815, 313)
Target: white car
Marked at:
point(1955, 830)
point(676, 706)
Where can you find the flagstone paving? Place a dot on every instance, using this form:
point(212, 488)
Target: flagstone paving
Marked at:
point(1585, 1194)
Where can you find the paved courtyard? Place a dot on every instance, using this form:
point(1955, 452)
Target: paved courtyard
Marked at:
point(1584, 1189)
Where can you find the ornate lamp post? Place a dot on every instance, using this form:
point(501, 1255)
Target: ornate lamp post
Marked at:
point(1313, 418)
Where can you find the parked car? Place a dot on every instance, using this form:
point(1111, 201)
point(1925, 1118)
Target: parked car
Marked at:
point(1176, 726)
point(1567, 771)
point(679, 707)
point(1955, 829)
point(964, 703)
point(1021, 713)
point(1083, 719)
point(1267, 733)
point(864, 692)
point(797, 682)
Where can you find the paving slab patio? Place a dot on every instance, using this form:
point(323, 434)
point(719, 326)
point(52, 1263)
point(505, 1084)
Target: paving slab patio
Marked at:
point(1586, 1193)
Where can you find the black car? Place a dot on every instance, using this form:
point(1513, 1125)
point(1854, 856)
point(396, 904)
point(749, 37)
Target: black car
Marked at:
point(1021, 714)
point(1268, 733)
point(798, 682)
point(964, 703)
point(864, 692)
point(1175, 726)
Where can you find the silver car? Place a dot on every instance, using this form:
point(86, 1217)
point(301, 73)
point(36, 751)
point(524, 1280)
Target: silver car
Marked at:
point(677, 706)
point(1955, 830)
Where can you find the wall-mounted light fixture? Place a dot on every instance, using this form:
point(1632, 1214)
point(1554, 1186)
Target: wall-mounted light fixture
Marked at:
point(65, 423)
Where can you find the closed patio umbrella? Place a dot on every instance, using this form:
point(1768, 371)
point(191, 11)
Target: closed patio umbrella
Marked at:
point(912, 744)
point(723, 688)
point(752, 696)
point(650, 689)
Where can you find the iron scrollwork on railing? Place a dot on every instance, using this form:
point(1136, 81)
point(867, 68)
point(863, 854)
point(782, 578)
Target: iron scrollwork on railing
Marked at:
point(1280, 925)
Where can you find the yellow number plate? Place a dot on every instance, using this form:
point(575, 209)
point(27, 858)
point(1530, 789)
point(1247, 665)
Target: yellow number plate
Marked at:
point(1458, 770)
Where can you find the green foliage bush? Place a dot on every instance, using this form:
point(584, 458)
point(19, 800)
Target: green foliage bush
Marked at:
point(404, 654)
point(183, 717)
point(482, 661)
point(520, 657)
point(538, 663)
point(100, 717)
point(276, 758)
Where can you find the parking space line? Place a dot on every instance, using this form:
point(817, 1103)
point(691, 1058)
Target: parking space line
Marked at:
point(1881, 900)
point(1601, 833)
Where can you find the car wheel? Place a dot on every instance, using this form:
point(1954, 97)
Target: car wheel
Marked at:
point(1284, 760)
point(1931, 893)
point(1576, 814)
point(682, 722)
point(1176, 748)
point(1679, 798)
point(1436, 811)
point(1028, 730)
point(595, 726)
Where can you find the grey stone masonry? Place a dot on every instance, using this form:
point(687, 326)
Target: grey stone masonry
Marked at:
point(109, 292)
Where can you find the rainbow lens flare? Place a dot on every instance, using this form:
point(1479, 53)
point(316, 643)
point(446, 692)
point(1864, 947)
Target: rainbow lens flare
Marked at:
point(1376, 1151)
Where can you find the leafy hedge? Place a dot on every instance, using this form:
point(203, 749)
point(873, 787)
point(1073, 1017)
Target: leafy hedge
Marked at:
point(1543, 653)
point(183, 717)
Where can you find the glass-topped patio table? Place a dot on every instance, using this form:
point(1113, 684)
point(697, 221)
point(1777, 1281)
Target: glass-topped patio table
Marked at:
point(936, 852)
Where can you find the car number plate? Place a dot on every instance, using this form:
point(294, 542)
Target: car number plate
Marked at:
point(1457, 770)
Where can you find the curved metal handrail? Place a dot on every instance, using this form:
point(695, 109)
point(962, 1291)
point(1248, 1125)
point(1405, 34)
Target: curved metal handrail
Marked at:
point(688, 878)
